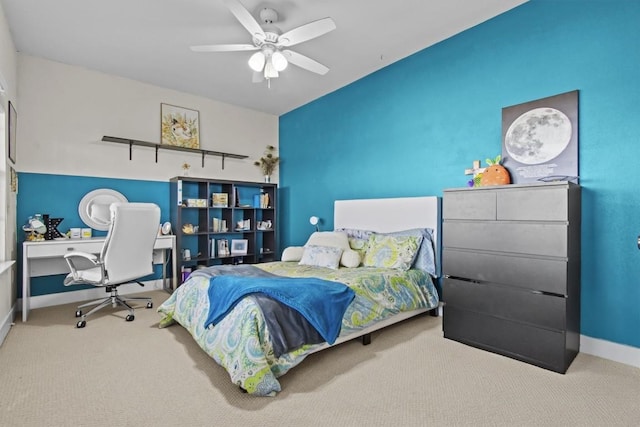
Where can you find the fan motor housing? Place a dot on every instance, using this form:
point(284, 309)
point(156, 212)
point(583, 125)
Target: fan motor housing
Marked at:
point(268, 16)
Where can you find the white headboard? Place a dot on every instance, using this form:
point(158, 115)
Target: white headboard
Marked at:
point(391, 214)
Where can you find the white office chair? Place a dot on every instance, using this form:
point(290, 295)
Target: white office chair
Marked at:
point(127, 255)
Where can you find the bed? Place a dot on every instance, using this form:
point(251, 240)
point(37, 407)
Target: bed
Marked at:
point(248, 344)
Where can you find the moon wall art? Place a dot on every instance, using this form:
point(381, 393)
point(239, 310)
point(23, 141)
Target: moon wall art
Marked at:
point(540, 139)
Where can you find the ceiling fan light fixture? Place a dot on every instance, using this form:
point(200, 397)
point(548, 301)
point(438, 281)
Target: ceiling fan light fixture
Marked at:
point(271, 44)
point(270, 71)
point(279, 61)
point(257, 61)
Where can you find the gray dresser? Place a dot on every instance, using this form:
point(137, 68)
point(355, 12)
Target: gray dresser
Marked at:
point(511, 261)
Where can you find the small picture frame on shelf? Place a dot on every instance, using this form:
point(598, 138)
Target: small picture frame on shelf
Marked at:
point(239, 246)
point(223, 248)
point(219, 200)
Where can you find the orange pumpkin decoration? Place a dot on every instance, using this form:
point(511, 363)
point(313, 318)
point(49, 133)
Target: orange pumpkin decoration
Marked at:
point(495, 174)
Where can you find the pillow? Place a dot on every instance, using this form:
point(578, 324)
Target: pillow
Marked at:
point(321, 256)
point(359, 245)
point(396, 252)
point(350, 258)
point(292, 253)
point(335, 239)
point(358, 239)
point(425, 258)
point(356, 233)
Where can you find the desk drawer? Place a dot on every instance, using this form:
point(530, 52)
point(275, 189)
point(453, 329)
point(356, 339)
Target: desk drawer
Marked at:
point(46, 250)
point(164, 242)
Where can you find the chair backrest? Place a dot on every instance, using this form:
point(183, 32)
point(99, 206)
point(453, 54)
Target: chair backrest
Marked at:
point(128, 249)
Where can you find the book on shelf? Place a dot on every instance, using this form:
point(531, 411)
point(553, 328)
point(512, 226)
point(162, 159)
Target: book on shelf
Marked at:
point(264, 200)
point(219, 200)
point(212, 248)
point(218, 225)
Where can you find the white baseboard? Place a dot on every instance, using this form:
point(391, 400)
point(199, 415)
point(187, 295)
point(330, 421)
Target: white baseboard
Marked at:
point(5, 326)
point(60, 298)
point(609, 350)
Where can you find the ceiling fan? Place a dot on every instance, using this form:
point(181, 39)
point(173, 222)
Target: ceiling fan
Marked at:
point(272, 54)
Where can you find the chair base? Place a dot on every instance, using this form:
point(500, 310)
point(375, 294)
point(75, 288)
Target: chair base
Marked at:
point(114, 300)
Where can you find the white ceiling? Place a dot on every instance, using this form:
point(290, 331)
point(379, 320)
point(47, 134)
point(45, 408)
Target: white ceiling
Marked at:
point(148, 41)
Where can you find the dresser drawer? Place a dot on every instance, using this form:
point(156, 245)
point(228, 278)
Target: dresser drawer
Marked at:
point(546, 275)
point(469, 205)
point(45, 250)
point(539, 204)
point(546, 311)
point(545, 239)
point(541, 347)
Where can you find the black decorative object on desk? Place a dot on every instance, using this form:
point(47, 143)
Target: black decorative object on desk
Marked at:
point(52, 227)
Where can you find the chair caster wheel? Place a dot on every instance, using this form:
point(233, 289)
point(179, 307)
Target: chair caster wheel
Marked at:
point(129, 318)
point(81, 324)
point(149, 305)
point(79, 313)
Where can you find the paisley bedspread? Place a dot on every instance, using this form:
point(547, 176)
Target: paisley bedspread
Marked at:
point(241, 343)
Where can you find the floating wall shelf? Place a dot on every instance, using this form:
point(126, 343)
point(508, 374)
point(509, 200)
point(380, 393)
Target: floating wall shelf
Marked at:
point(132, 142)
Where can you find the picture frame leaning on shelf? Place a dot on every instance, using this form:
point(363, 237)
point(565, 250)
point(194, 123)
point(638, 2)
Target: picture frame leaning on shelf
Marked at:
point(239, 246)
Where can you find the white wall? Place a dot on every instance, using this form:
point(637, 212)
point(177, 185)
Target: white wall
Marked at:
point(8, 65)
point(66, 110)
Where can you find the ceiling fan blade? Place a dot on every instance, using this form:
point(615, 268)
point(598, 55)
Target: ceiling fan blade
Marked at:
point(223, 48)
point(245, 18)
point(306, 32)
point(305, 62)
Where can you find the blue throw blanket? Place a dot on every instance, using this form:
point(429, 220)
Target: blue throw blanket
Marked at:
point(321, 302)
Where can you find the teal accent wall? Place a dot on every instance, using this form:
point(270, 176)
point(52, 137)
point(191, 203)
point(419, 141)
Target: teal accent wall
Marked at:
point(59, 196)
point(413, 127)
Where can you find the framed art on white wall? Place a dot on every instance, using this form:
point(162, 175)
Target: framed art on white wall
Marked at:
point(180, 126)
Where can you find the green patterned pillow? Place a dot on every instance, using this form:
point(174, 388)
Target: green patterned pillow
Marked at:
point(359, 245)
point(392, 251)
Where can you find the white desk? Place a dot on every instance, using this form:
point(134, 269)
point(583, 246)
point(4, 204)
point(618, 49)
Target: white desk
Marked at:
point(47, 258)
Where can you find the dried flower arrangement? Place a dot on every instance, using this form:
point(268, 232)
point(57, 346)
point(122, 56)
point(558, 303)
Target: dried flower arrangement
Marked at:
point(269, 161)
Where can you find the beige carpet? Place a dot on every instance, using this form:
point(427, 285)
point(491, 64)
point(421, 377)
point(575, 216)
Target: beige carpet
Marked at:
point(116, 373)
